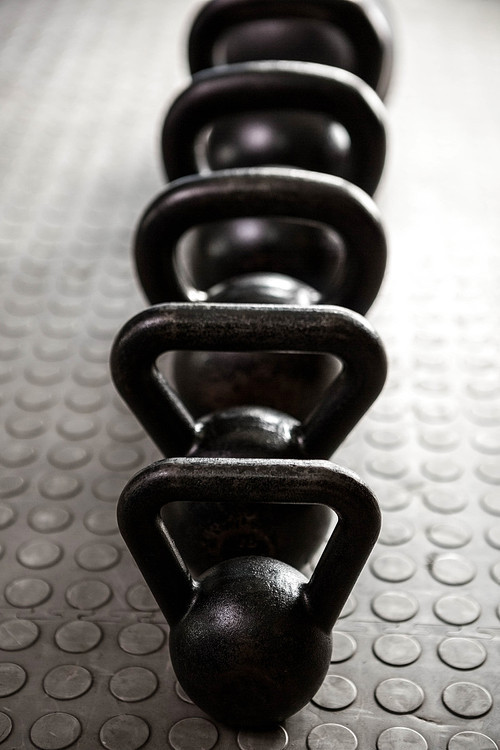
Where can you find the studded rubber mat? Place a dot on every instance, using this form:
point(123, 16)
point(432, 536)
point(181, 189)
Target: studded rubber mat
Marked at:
point(83, 648)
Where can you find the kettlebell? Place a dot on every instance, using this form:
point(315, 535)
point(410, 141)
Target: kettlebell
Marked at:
point(291, 261)
point(250, 640)
point(208, 534)
point(272, 113)
point(355, 35)
point(320, 231)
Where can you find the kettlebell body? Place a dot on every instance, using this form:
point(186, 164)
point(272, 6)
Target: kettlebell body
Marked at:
point(257, 647)
point(295, 260)
point(329, 249)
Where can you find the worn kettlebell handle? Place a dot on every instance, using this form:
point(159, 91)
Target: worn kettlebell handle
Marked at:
point(262, 192)
point(211, 480)
point(364, 23)
point(274, 86)
point(245, 327)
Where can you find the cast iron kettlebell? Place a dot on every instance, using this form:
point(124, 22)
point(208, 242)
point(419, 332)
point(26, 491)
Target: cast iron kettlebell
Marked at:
point(274, 113)
point(308, 254)
point(250, 641)
point(290, 382)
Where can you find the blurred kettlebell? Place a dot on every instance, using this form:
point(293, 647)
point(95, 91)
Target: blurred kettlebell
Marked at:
point(354, 35)
point(250, 641)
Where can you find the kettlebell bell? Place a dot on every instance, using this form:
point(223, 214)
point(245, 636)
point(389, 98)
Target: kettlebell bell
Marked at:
point(250, 640)
point(291, 382)
point(332, 239)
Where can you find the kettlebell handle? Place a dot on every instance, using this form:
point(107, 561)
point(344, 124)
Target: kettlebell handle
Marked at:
point(262, 192)
point(246, 327)
point(210, 480)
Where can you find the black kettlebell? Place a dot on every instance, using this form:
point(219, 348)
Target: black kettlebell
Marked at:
point(207, 534)
point(250, 641)
point(322, 232)
point(273, 113)
point(348, 34)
